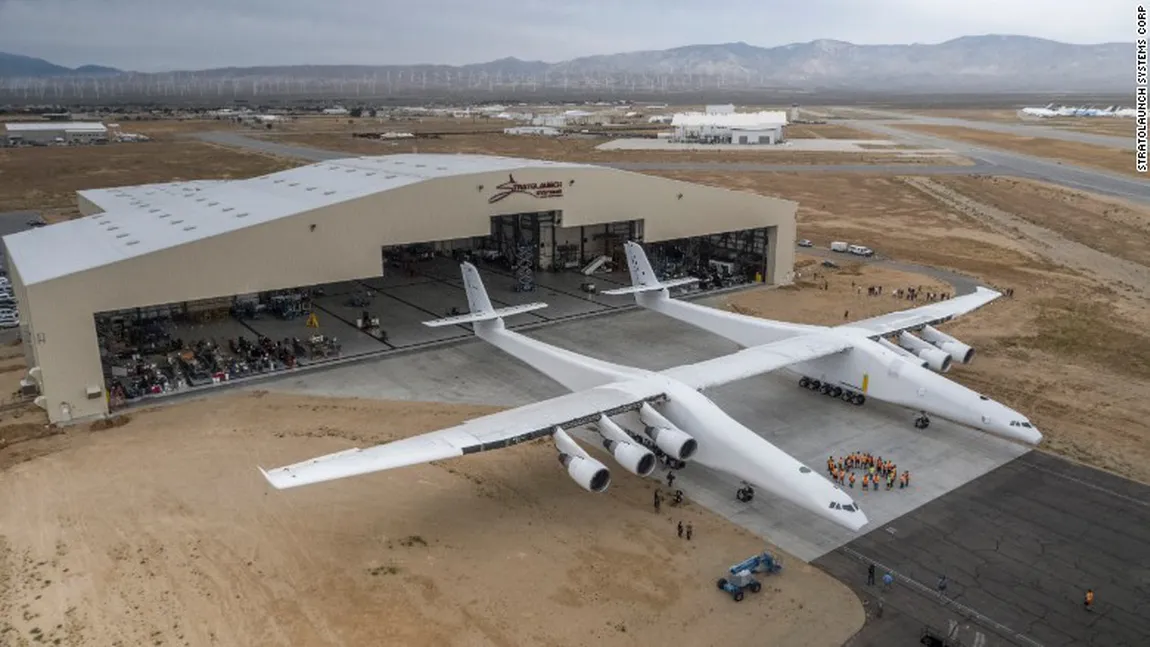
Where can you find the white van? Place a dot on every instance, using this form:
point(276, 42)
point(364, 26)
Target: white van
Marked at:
point(859, 250)
point(838, 246)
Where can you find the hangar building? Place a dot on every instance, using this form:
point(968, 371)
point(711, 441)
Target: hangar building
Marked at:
point(72, 132)
point(144, 253)
point(720, 126)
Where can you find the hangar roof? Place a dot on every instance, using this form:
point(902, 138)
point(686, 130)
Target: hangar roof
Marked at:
point(139, 220)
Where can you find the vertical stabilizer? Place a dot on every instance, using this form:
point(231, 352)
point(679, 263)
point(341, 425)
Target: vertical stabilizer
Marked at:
point(480, 307)
point(643, 277)
point(477, 301)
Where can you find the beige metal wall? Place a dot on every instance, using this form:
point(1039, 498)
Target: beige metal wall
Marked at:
point(346, 245)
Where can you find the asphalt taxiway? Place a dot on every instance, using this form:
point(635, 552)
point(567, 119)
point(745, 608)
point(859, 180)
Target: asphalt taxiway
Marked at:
point(1020, 546)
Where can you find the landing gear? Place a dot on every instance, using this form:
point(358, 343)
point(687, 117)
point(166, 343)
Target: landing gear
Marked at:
point(745, 494)
point(922, 421)
point(846, 395)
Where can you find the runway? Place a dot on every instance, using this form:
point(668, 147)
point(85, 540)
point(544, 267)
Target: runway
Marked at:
point(1026, 166)
point(1023, 129)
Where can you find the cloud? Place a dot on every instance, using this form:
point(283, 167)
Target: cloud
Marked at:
point(151, 35)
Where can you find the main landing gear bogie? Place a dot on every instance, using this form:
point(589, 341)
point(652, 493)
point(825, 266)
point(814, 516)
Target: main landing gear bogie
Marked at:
point(746, 494)
point(837, 392)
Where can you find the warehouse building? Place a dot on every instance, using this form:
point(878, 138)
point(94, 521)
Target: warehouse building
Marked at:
point(766, 127)
point(55, 132)
point(99, 294)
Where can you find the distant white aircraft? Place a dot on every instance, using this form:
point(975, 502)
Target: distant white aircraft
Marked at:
point(636, 413)
point(1051, 110)
point(859, 361)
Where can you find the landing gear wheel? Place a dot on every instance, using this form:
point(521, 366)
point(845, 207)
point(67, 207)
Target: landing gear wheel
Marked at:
point(858, 399)
point(847, 396)
point(836, 391)
point(755, 587)
point(921, 422)
point(805, 382)
point(738, 596)
point(825, 389)
point(815, 385)
point(745, 494)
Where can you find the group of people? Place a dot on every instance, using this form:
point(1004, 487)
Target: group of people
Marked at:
point(908, 293)
point(875, 470)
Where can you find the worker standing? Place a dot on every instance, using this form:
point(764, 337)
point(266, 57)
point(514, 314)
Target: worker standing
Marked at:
point(906, 476)
point(1088, 604)
point(690, 531)
point(680, 530)
point(658, 501)
point(852, 479)
point(870, 575)
point(866, 481)
point(670, 478)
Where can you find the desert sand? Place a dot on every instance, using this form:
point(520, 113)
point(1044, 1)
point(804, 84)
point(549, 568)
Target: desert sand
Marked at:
point(161, 532)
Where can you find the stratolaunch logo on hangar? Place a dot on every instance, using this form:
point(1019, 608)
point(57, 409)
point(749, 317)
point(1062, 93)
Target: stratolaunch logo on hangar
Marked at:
point(533, 189)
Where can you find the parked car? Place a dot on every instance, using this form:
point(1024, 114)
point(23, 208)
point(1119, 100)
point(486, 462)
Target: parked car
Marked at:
point(9, 321)
point(859, 250)
point(806, 243)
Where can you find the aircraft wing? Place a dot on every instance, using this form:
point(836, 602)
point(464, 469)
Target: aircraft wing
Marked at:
point(495, 431)
point(927, 315)
point(757, 360)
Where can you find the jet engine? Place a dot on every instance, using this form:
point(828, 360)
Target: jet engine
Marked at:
point(936, 359)
point(959, 351)
point(633, 458)
point(590, 474)
point(677, 443)
point(903, 353)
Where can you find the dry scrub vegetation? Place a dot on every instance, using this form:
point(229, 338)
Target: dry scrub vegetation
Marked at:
point(1110, 159)
point(1070, 349)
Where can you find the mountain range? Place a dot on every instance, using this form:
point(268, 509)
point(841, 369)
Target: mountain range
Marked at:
point(968, 64)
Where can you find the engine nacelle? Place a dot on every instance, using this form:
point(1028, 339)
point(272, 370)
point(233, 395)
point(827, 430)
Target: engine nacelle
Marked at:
point(959, 351)
point(903, 353)
point(636, 459)
point(590, 474)
point(677, 443)
point(936, 359)
point(633, 458)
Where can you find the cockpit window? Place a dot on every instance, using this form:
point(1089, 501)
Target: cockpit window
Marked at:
point(849, 508)
point(805, 470)
point(983, 397)
point(1027, 425)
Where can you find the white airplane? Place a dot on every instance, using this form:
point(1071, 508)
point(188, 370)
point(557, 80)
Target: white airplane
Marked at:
point(637, 414)
point(859, 361)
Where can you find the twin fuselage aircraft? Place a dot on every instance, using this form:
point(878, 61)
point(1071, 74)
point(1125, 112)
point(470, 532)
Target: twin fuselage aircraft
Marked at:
point(639, 415)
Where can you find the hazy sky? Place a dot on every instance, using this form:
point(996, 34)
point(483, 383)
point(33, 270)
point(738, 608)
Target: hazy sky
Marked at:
point(151, 35)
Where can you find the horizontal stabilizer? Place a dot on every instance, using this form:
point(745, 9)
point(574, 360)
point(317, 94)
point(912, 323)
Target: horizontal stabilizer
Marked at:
point(485, 316)
point(653, 287)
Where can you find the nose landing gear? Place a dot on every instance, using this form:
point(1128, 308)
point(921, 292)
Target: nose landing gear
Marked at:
point(922, 421)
